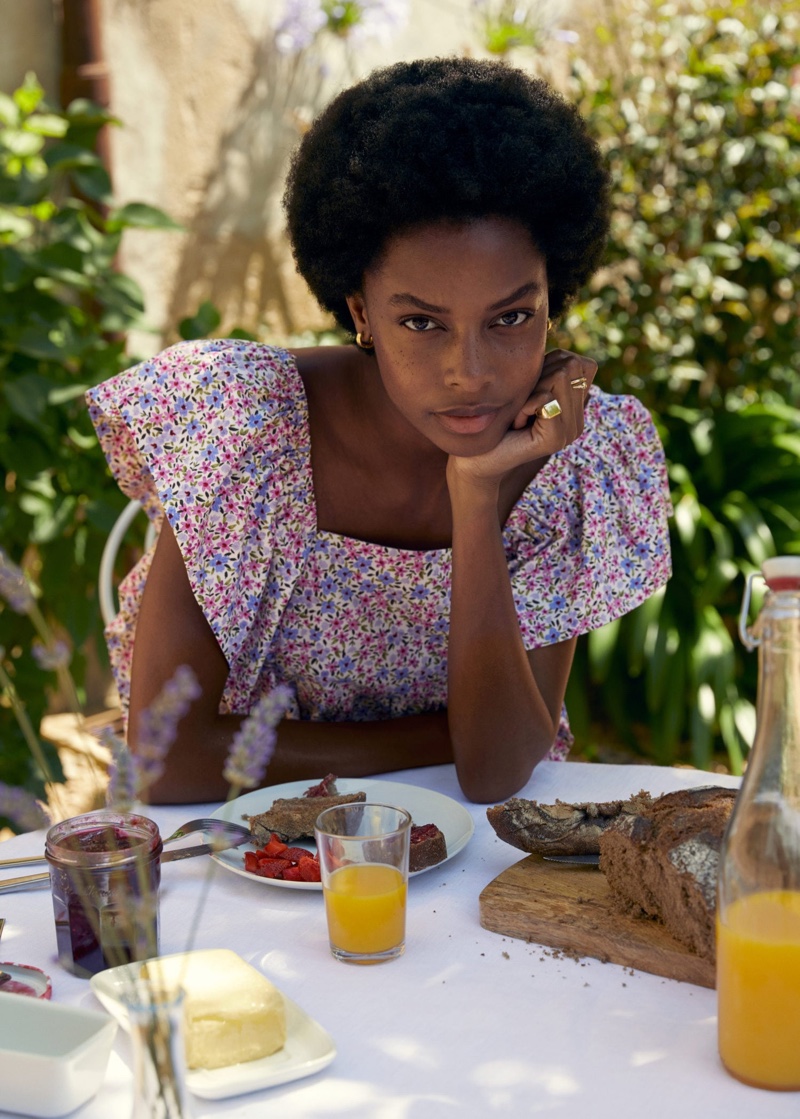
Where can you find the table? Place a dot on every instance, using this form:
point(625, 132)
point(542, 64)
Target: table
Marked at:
point(467, 1023)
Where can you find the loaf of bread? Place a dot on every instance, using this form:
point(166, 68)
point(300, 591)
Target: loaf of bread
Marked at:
point(663, 862)
point(560, 829)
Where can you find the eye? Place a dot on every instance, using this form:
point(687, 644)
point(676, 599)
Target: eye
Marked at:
point(419, 323)
point(512, 318)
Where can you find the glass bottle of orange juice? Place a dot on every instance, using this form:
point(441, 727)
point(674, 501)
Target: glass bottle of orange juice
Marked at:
point(758, 906)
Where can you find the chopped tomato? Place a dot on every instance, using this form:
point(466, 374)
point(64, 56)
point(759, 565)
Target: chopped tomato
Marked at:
point(274, 847)
point(292, 874)
point(308, 869)
point(296, 854)
point(272, 868)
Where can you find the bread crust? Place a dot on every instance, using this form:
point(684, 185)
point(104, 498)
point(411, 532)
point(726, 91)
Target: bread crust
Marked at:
point(560, 828)
point(294, 817)
point(664, 863)
point(427, 847)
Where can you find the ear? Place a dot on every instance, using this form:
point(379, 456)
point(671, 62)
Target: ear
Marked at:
point(358, 310)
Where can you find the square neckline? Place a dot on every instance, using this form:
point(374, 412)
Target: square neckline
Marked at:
point(392, 549)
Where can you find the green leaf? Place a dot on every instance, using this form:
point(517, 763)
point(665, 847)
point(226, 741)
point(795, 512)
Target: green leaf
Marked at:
point(9, 111)
point(94, 182)
point(141, 216)
point(13, 226)
point(20, 143)
point(46, 124)
point(201, 324)
point(65, 393)
point(27, 396)
point(601, 644)
point(30, 94)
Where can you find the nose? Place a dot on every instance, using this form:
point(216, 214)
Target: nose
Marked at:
point(469, 363)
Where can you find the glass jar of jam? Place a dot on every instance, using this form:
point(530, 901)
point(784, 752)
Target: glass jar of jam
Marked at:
point(105, 871)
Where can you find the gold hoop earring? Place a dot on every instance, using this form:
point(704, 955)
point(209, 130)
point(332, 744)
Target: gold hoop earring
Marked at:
point(365, 343)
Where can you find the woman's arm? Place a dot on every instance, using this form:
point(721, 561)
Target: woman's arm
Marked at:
point(172, 630)
point(503, 703)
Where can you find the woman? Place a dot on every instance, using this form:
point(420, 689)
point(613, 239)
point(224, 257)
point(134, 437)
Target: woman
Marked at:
point(412, 530)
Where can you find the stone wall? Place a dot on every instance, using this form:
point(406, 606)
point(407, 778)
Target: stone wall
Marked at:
point(205, 137)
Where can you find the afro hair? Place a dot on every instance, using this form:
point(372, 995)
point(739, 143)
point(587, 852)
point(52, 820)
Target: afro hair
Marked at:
point(450, 140)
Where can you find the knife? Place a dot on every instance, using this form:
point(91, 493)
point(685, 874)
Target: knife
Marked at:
point(170, 856)
point(574, 860)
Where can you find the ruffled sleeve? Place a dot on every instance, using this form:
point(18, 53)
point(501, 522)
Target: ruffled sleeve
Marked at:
point(214, 435)
point(589, 539)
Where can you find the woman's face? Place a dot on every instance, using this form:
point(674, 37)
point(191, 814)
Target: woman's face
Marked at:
point(459, 318)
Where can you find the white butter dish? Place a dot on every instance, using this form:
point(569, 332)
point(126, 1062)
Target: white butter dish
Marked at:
point(53, 1057)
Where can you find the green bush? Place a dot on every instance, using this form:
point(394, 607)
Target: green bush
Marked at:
point(697, 314)
point(64, 311)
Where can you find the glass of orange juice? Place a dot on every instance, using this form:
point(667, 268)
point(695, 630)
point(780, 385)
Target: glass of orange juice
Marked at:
point(363, 856)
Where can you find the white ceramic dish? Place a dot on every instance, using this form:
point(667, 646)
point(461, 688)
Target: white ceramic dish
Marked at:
point(425, 806)
point(53, 1057)
point(26, 980)
point(308, 1049)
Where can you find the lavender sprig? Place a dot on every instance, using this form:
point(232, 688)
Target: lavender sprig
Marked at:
point(130, 775)
point(22, 808)
point(51, 657)
point(158, 724)
point(14, 586)
point(254, 743)
point(123, 784)
point(298, 26)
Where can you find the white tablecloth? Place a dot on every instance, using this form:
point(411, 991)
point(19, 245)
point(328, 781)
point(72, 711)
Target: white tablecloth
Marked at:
point(467, 1023)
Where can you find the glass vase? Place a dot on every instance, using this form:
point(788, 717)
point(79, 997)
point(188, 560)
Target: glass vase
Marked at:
point(159, 1063)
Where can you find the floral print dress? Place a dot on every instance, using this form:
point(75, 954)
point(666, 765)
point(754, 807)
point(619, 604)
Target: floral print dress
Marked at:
point(215, 435)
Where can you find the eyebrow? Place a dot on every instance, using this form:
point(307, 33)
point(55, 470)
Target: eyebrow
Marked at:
point(405, 297)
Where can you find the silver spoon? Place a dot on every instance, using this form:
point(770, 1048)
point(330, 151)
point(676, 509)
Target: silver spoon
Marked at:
point(226, 835)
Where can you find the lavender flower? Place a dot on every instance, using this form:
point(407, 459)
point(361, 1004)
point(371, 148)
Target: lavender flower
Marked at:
point(254, 743)
point(131, 774)
point(379, 20)
point(299, 25)
point(57, 654)
point(158, 724)
point(22, 808)
point(14, 587)
point(123, 782)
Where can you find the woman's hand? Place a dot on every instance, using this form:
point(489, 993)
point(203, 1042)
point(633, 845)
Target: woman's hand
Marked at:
point(566, 378)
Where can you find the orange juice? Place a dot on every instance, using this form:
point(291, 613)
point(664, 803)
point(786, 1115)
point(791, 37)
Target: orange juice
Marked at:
point(758, 989)
point(366, 908)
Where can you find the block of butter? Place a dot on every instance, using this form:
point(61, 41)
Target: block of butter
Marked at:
point(232, 1013)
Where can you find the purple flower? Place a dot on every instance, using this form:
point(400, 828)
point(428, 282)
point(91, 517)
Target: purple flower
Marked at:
point(122, 773)
point(379, 20)
point(298, 26)
point(254, 742)
point(158, 724)
point(57, 654)
point(14, 587)
point(21, 808)
point(131, 774)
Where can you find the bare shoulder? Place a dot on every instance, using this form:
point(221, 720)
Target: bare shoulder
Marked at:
point(322, 361)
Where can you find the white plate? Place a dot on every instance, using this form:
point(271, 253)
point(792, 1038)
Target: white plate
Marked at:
point(308, 1047)
point(425, 806)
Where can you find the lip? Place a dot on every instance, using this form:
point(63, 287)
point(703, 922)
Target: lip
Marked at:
point(470, 420)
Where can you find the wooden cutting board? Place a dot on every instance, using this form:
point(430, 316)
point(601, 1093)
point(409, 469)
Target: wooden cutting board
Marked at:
point(570, 907)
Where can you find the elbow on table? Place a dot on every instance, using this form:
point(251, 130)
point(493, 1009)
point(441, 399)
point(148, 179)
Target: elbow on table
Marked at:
point(488, 776)
point(490, 786)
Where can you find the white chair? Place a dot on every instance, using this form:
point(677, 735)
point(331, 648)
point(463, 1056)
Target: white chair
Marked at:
point(105, 582)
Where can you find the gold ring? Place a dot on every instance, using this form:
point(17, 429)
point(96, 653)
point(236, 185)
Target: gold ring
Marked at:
point(549, 410)
point(579, 383)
